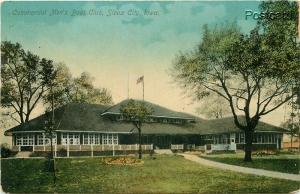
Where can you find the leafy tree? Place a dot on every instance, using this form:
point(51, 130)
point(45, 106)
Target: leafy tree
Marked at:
point(136, 113)
point(293, 125)
point(214, 107)
point(66, 89)
point(84, 91)
point(60, 88)
point(23, 79)
point(244, 71)
point(82, 87)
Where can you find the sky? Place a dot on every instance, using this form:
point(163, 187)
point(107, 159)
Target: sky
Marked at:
point(116, 42)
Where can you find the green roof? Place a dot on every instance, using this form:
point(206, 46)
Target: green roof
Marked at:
point(226, 124)
point(158, 110)
point(88, 117)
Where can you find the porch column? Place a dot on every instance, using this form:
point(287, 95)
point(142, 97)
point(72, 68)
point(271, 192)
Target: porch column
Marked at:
point(113, 149)
point(92, 150)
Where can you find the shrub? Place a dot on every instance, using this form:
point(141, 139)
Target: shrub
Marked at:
point(222, 152)
point(38, 154)
point(6, 151)
point(61, 152)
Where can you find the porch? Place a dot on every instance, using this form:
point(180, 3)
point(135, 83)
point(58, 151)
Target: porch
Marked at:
point(91, 149)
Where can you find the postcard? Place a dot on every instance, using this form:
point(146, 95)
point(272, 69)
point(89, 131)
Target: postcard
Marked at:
point(150, 97)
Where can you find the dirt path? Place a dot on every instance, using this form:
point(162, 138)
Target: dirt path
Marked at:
point(254, 171)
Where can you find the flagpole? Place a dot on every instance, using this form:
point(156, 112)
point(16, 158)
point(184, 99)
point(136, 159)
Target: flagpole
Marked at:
point(128, 85)
point(143, 89)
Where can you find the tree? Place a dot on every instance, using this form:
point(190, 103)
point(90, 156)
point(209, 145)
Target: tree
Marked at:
point(23, 79)
point(214, 107)
point(84, 91)
point(293, 125)
point(49, 127)
point(136, 113)
point(61, 86)
point(244, 71)
point(66, 89)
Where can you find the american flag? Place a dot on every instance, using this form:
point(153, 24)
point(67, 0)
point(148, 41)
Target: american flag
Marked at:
point(140, 79)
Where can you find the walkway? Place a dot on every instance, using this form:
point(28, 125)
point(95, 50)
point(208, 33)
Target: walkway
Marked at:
point(246, 170)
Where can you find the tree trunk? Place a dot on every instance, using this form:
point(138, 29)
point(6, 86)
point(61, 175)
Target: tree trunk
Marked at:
point(291, 142)
point(248, 145)
point(140, 144)
point(51, 146)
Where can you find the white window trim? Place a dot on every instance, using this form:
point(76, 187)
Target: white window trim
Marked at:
point(87, 136)
point(21, 137)
point(44, 139)
point(105, 139)
point(76, 141)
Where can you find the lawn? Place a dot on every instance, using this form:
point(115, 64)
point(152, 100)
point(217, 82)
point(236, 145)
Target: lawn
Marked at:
point(165, 174)
point(280, 163)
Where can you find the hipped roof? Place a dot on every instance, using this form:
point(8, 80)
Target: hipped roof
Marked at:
point(89, 118)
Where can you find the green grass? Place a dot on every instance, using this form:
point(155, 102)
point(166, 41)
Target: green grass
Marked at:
point(165, 174)
point(280, 163)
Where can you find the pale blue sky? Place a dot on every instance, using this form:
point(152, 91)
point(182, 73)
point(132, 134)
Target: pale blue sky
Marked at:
point(110, 47)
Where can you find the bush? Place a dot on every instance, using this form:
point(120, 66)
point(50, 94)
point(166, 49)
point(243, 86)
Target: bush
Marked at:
point(6, 151)
point(39, 154)
point(222, 152)
point(62, 152)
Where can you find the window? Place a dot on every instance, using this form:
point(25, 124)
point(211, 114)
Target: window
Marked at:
point(40, 139)
point(242, 138)
point(91, 138)
point(115, 139)
point(19, 140)
point(47, 140)
point(177, 121)
point(110, 139)
point(25, 140)
point(71, 139)
point(64, 139)
point(31, 140)
point(237, 139)
point(97, 138)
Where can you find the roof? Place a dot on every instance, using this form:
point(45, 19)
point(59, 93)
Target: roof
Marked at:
point(158, 110)
point(87, 117)
point(227, 124)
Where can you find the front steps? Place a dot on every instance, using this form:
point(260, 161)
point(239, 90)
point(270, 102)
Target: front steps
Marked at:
point(23, 154)
point(163, 151)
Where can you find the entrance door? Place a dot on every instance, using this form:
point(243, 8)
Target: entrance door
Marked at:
point(162, 142)
point(27, 148)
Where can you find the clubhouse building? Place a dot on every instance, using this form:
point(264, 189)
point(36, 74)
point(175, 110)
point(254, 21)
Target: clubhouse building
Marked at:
point(98, 128)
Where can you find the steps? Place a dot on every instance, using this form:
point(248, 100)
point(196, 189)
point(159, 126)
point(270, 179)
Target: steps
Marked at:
point(23, 154)
point(163, 151)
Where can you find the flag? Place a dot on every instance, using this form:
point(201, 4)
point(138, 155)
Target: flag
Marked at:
point(140, 79)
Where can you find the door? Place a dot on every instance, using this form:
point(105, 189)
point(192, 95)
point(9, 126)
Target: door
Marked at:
point(162, 142)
